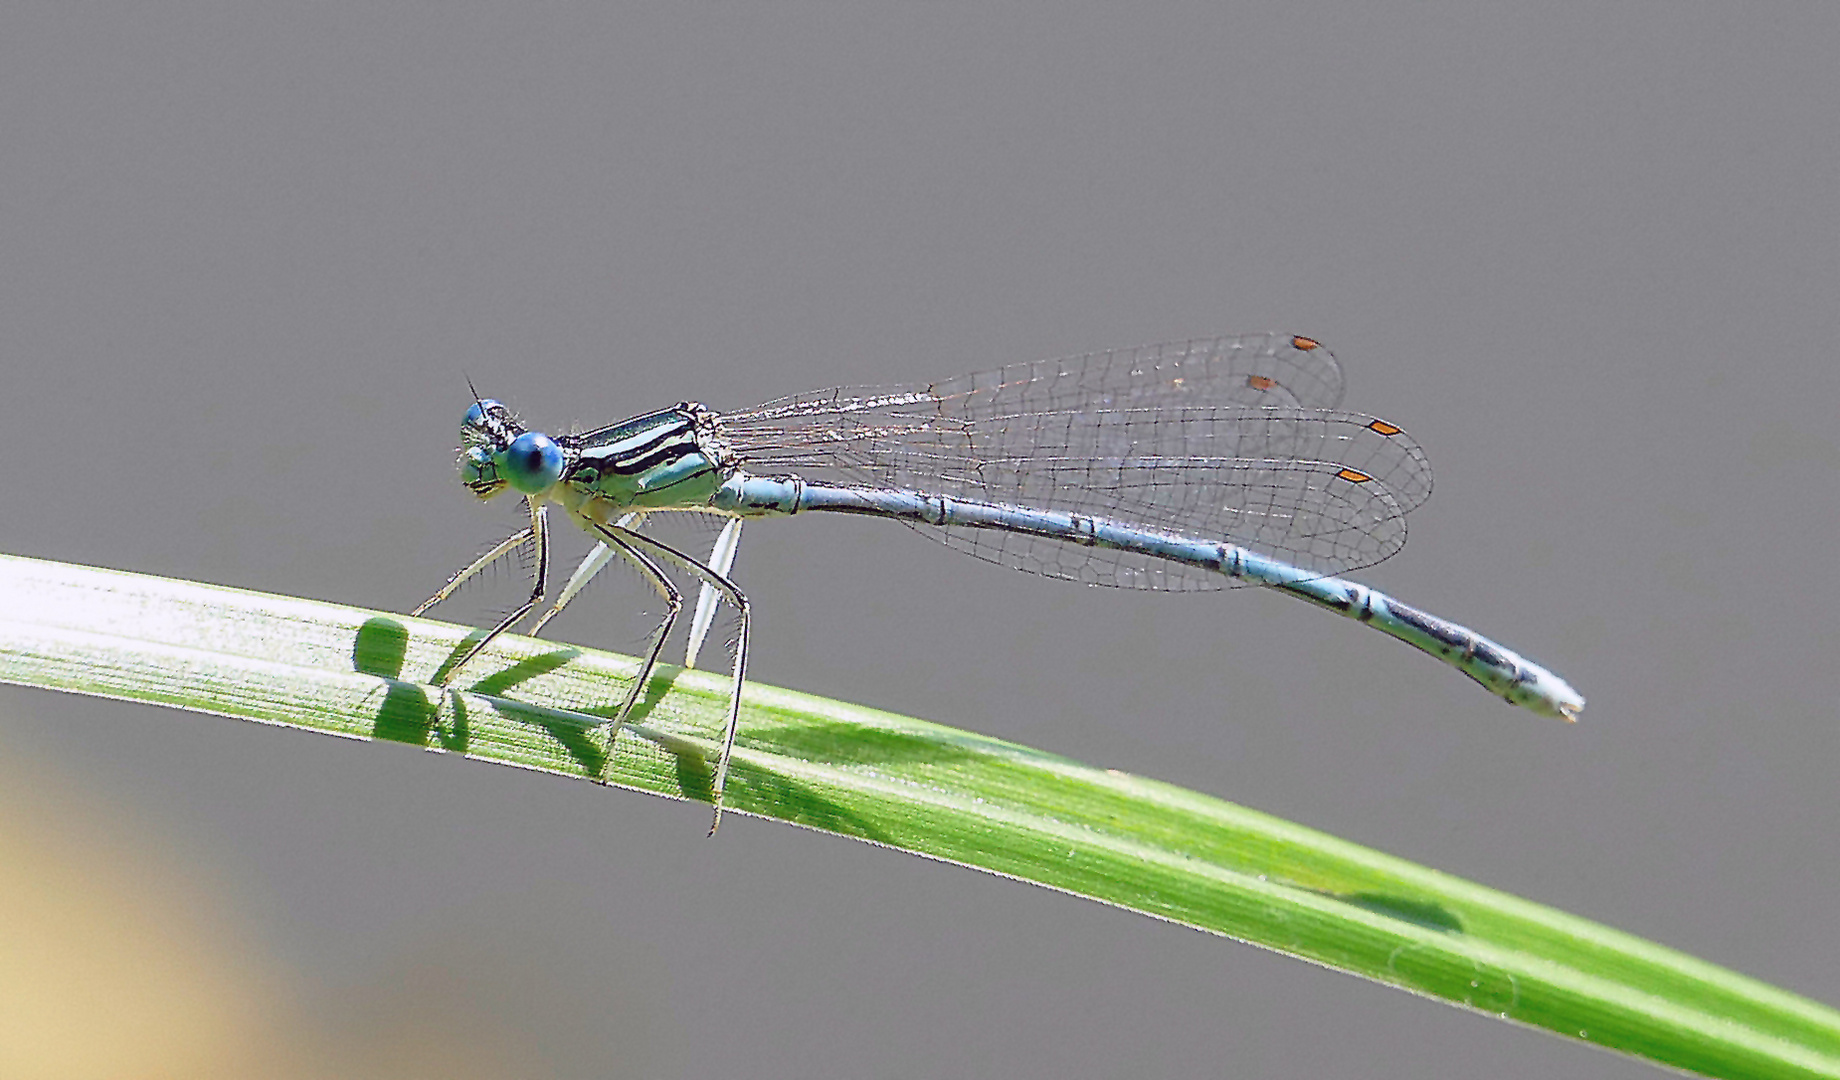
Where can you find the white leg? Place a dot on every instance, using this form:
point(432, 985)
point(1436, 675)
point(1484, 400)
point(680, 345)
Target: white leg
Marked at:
point(618, 540)
point(596, 561)
point(479, 564)
point(721, 560)
point(539, 529)
point(665, 553)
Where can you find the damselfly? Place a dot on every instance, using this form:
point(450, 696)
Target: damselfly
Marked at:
point(1187, 466)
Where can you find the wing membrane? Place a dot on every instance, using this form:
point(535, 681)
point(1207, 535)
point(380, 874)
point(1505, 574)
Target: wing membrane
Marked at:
point(1231, 439)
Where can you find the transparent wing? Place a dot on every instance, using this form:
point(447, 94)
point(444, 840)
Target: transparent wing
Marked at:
point(1223, 439)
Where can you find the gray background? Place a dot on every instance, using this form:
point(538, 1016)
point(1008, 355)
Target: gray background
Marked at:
point(1590, 259)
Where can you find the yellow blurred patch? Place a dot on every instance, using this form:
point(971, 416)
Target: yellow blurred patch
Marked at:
point(112, 966)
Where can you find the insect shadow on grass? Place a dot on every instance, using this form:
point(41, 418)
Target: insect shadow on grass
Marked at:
point(406, 714)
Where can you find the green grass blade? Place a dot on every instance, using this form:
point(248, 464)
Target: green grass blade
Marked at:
point(932, 790)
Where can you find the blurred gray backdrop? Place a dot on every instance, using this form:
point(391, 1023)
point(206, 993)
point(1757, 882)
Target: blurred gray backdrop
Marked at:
point(1589, 258)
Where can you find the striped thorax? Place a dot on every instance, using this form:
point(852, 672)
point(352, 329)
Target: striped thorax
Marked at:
point(671, 459)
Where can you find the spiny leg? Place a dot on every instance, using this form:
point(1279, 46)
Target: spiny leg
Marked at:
point(539, 529)
point(490, 557)
point(617, 542)
point(734, 596)
point(596, 561)
point(721, 560)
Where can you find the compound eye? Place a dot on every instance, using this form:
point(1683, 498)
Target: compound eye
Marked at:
point(476, 414)
point(532, 462)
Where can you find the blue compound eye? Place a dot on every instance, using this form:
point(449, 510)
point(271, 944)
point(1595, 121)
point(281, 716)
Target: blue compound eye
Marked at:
point(531, 463)
point(476, 413)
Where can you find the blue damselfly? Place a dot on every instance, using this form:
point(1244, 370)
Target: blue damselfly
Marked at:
point(1188, 466)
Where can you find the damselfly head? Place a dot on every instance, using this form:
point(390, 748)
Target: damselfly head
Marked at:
point(496, 451)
